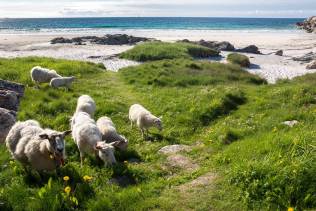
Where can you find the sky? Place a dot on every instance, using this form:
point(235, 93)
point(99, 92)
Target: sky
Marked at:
point(156, 8)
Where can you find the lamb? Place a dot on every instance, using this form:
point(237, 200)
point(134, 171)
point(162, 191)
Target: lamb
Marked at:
point(86, 104)
point(62, 82)
point(109, 133)
point(43, 75)
point(88, 138)
point(144, 119)
point(42, 149)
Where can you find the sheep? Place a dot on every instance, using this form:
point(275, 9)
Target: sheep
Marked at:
point(62, 82)
point(86, 104)
point(43, 75)
point(42, 149)
point(109, 133)
point(88, 138)
point(143, 119)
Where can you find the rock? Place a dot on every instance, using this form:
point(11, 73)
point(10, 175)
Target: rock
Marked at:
point(306, 58)
point(200, 182)
point(249, 49)
point(109, 39)
point(61, 40)
point(122, 181)
point(15, 87)
point(172, 149)
point(309, 25)
point(279, 53)
point(9, 100)
point(290, 123)
point(220, 46)
point(311, 65)
point(7, 119)
point(180, 161)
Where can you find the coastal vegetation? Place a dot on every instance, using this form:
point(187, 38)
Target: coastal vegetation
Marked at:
point(231, 120)
point(236, 58)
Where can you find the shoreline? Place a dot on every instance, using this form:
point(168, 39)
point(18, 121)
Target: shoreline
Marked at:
point(271, 67)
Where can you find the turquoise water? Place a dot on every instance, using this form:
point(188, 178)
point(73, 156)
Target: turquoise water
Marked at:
point(148, 23)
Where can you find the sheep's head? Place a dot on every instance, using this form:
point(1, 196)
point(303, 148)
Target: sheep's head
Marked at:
point(158, 123)
point(56, 143)
point(122, 144)
point(106, 152)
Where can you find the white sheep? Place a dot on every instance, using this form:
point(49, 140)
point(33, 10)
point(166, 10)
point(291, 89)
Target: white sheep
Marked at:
point(109, 133)
point(143, 119)
point(88, 138)
point(42, 149)
point(86, 104)
point(62, 82)
point(43, 75)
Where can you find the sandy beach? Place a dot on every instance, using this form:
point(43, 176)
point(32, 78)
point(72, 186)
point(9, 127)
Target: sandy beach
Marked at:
point(268, 65)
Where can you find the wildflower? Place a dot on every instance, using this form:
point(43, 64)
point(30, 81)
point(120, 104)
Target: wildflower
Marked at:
point(139, 190)
point(11, 162)
point(290, 209)
point(66, 178)
point(67, 189)
point(125, 162)
point(275, 129)
point(87, 178)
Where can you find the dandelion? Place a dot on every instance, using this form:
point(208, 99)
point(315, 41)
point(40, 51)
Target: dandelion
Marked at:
point(290, 209)
point(87, 178)
point(66, 178)
point(67, 189)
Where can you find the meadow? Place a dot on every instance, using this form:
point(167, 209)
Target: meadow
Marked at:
point(232, 121)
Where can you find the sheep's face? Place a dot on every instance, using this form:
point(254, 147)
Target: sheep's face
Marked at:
point(106, 153)
point(122, 144)
point(158, 124)
point(56, 142)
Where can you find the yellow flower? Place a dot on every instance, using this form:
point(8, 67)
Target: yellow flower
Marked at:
point(11, 162)
point(126, 162)
point(66, 178)
point(290, 209)
point(67, 189)
point(87, 178)
point(275, 129)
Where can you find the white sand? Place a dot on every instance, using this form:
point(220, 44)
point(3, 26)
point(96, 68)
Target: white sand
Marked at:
point(271, 67)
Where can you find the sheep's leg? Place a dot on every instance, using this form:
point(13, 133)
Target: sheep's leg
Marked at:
point(143, 133)
point(81, 159)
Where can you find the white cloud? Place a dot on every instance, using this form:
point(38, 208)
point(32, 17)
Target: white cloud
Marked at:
point(106, 8)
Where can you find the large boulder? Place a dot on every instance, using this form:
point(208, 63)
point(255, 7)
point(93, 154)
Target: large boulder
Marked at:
point(7, 119)
point(220, 46)
point(9, 100)
point(249, 49)
point(60, 40)
point(311, 65)
point(309, 25)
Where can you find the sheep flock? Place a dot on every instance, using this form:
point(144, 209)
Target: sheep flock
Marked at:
point(44, 149)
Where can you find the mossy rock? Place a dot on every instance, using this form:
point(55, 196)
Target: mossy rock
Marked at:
point(236, 58)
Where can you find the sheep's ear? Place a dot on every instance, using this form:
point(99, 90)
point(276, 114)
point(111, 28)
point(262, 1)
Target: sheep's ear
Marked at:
point(116, 143)
point(66, 133)
point(43, 136)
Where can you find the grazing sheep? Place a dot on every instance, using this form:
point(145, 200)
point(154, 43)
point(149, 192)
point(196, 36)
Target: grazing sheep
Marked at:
point(144, 119)
point(62, 82)
point(86, 104)
point(88, 138)
point(42, 149)
point(43, 75)
point(109, 133)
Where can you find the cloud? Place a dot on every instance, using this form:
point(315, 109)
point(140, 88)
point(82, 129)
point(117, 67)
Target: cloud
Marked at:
point(106, 8)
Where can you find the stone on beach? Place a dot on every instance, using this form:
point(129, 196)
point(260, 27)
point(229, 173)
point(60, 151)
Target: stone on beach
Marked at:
point(312, 65)
point(306, 57)
point(309, 25)
point(220, 46)
point(279, 53)
point(249, 49)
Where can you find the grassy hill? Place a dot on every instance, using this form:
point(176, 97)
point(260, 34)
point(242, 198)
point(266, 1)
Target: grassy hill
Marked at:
point(232, 121)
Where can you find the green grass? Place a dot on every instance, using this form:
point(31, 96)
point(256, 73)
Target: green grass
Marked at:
point(152, 51)
point(232, 120)
point(236, 58)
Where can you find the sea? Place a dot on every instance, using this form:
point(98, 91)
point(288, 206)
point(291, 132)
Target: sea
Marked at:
point(47, 25)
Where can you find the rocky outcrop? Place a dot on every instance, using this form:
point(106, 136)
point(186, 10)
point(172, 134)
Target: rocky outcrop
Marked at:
point(306, 58)
point(309, 25)
point(220, 46)
point(312, 65)
point(10, 94)
point(249, 49)
point(109, 39)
